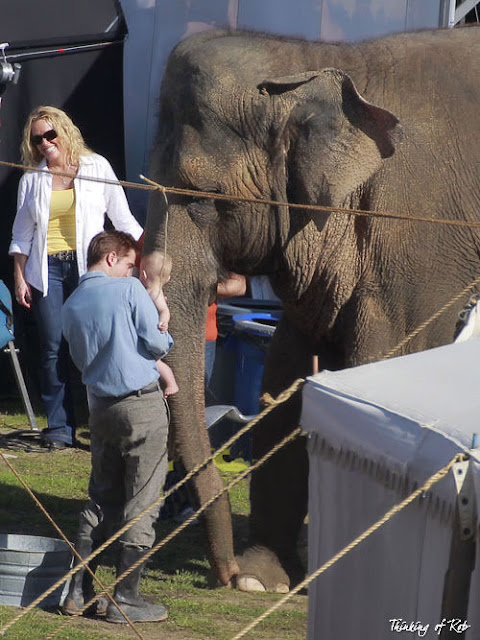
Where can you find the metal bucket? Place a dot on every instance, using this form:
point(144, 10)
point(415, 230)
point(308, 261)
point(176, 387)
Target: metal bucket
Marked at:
point(29, 565)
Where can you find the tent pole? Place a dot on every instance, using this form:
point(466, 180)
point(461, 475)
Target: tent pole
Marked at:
point(456, 587)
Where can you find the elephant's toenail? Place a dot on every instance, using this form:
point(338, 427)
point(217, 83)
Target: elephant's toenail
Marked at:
point(282, 588)
point(249, 583)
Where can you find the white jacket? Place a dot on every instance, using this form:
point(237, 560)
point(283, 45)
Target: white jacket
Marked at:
point(92, 201)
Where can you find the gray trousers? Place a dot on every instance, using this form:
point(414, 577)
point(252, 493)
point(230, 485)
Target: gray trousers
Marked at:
point(128, 443)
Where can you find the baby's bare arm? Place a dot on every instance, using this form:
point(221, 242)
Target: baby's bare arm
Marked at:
point(160, 302)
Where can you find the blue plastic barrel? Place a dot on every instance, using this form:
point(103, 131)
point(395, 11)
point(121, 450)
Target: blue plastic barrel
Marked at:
point(222, 385)
point(254, 332)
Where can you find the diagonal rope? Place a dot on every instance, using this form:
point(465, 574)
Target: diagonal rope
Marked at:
point(291, 436)
point(194, 193)
point(282, 397)
point(272, 404)
point(432, 318)
point(64, 537)
point(388, 516)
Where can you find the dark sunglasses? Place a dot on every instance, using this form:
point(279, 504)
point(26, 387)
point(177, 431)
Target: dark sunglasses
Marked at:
point(49, 135)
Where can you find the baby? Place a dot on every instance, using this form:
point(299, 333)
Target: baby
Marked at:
point(167, 377)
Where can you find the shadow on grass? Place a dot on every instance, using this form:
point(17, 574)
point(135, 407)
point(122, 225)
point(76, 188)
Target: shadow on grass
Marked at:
point(185, 553)
point(20, 515)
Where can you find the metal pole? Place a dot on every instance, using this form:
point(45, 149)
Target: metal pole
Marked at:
point(456, 587)
point(22, 386)
point(451, 14)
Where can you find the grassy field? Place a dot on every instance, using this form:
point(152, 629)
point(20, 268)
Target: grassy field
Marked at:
point(177, 575)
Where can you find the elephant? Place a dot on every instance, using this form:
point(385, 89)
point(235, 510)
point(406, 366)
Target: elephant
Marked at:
point(384, 125)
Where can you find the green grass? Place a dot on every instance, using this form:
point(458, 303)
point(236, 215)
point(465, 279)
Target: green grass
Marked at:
point(177, 575)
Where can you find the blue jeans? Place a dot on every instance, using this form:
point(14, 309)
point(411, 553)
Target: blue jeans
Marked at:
point(56, 392)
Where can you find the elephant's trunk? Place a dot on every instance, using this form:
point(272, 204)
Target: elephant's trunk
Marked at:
point(189, 435)
point(191, 443)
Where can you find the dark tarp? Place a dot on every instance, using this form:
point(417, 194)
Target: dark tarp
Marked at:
point(28, 23)
point(72, 57)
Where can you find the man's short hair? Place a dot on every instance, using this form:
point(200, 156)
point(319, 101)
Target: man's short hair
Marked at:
point(107, 241)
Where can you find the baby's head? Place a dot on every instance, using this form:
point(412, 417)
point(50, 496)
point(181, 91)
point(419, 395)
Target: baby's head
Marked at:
point(164, 266)
point(166, 269)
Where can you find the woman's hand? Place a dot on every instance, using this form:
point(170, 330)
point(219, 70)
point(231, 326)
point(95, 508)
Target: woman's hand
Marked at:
point(23, 293)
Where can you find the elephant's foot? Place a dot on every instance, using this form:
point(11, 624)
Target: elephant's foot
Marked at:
point(260, 570)
point(223, 575)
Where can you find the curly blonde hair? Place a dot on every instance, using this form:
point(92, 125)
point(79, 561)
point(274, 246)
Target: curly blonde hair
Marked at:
point(68, 133)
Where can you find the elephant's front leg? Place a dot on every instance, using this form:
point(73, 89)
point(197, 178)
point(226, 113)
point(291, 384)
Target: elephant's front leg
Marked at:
point(278, 492)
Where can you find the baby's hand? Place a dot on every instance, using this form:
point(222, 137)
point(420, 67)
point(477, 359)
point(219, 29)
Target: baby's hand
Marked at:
point(163, 326)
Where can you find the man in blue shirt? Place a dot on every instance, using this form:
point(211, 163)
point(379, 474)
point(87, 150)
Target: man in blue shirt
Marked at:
point(111, 325)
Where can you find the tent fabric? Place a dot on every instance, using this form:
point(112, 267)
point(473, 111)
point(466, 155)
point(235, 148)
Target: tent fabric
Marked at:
point(377, 432)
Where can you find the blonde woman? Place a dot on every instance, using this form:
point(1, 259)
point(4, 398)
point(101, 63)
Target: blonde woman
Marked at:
point(58, 213)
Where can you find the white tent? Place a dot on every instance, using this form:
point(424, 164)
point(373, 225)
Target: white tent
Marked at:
point(377, 432)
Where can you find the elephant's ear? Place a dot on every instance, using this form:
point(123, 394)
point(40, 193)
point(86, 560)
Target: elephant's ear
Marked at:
point(333, 140)
point(377, 123)
point(380, 125)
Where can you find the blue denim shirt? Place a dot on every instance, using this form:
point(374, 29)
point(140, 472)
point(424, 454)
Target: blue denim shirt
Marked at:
point(111, 325)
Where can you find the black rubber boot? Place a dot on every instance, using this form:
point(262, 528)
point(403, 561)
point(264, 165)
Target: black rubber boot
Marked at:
point(81, 588)
point(126, 592)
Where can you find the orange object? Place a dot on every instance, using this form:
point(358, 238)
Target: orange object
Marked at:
point(211, 330)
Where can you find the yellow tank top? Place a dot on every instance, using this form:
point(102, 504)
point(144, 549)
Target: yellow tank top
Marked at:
point(61, 224)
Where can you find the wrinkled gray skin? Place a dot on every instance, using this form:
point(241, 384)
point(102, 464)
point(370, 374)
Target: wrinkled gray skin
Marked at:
point(388, 125)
